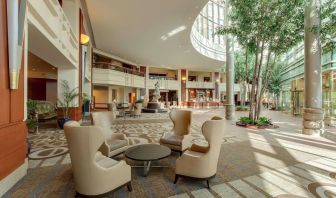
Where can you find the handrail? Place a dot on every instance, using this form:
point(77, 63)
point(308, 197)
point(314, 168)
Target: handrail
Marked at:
point(104, 65)
point(154, 77)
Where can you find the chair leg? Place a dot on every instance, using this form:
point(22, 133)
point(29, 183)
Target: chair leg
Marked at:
point(176, 178)
point(129, 186)
point(208, 186)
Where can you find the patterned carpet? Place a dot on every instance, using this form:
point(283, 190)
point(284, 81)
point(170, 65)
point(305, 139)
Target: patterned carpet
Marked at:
point(246, 168)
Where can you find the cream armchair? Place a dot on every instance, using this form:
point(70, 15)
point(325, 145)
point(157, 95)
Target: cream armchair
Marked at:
point(113, 107)
point(94, 174)
point(179, 139)
point(202, 165)
point(136, 110)
point(115, 143)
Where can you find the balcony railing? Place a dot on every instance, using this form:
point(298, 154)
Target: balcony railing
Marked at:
point(103, 65)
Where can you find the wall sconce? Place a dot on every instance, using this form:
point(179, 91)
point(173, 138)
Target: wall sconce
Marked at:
point(184, 78)
point(16, 14)
point(84, 39)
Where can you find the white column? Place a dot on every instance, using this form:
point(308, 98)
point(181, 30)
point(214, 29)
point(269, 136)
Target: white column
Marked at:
point(179, 91)
point(313, 112)
point(147, 82)
point(229, 104)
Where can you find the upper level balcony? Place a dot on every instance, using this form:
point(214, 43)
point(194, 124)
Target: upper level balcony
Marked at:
point(109, 74)
point(50, 20)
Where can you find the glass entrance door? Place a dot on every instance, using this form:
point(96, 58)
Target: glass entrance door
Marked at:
point(297, 99)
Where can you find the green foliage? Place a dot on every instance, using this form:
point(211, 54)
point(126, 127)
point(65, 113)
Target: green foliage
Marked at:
point(31, 121)
point(68, 96)
point(245, 120)
point(267, 29)
point(243, 67)
point(139, 101)
point(242, 108)
point(274, 84)
point(328, 26)
point(86, 98)
point(263, 121)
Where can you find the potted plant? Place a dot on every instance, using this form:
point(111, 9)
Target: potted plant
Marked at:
point(32, 121)
point(86, 103)
point(66, 102)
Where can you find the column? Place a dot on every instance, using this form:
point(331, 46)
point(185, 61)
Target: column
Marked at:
point(147, 82)
point(313, 112)
point(179, 91)
point(229, 102)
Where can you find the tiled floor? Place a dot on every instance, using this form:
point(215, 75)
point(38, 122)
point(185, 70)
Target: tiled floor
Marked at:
point(252, 163)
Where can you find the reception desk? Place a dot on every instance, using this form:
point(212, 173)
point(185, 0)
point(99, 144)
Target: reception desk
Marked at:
point(194, 104)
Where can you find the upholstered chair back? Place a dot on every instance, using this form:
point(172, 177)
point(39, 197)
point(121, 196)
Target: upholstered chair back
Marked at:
point(213, 132)
point(83, 143)
point(104, 120)
point(181, 120)
point(138, 108)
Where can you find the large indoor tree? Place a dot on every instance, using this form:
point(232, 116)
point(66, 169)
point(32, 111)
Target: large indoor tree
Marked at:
point(243, 74)
point(267, 29)
point(274, 84)
point(328, 26)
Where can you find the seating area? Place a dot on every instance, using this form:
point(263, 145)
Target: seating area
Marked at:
point(168, 99)
point(92, 147)
point(220, 166)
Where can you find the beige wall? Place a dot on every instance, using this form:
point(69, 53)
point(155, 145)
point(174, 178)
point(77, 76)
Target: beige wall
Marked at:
point(101, 94)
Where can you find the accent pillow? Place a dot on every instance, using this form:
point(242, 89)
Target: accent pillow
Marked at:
point(199, 148)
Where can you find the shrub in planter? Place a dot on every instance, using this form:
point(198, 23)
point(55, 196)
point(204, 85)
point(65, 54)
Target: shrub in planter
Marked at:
point(242, 108)
point(31, 121)
point(263, 121)
point(245, 121)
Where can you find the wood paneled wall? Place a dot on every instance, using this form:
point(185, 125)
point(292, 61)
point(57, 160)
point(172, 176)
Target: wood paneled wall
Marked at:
point(13, 131)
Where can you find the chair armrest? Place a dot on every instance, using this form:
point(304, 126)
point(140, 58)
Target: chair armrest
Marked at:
point(118, 136)
point(121, 170)
point(105, 149)
point(186, 142)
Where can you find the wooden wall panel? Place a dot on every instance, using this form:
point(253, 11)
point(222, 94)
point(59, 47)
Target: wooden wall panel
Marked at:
point(17, 98)
point(4, 83)
point(13, 131)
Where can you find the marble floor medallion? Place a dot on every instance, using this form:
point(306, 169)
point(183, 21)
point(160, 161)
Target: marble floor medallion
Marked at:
point(48, 153)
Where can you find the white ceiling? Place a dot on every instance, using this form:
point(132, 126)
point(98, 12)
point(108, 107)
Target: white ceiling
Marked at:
point(134, 30)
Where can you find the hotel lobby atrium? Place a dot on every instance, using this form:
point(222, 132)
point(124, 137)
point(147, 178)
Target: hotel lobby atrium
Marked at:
point(178, 99)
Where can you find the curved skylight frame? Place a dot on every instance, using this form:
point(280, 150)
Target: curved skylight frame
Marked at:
point(203, 37)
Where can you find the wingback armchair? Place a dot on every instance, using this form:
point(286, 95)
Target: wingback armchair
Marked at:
point(94, 173)
point(137, 110)
point(113, 107)
point(115, 143)
point(179, 139)
point(202, 163)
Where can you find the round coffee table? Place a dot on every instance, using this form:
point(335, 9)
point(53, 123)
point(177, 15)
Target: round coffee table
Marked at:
point(147, 153)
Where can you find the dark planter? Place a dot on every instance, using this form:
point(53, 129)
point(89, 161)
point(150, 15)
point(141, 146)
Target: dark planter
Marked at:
point(62, 121)
point(86, 107)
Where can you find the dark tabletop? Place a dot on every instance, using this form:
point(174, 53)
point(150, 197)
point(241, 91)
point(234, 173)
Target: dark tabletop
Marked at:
point(147, 152)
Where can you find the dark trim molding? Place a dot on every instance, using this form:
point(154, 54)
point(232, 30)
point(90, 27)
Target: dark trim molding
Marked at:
point(177, 176)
